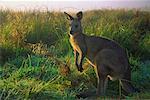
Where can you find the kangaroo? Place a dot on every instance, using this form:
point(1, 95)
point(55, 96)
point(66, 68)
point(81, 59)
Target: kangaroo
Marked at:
point(107, 57)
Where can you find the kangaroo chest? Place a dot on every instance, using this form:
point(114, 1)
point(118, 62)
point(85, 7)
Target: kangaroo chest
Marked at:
point(74, 44)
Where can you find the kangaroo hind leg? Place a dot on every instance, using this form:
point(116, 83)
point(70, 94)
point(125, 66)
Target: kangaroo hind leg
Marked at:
point(102, 81)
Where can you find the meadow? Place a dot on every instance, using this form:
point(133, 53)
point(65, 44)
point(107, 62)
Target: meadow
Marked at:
point(36, 59)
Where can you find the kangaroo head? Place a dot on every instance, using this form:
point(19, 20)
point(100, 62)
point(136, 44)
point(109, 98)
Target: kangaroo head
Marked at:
point(75, 23)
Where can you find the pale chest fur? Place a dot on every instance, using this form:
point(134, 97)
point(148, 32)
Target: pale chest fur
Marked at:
point(74, 44)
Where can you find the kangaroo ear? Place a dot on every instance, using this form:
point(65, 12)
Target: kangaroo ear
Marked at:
point(79, 15)
point(69, 17)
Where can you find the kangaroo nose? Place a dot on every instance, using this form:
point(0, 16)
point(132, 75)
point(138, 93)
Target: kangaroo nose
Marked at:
point(71, 32)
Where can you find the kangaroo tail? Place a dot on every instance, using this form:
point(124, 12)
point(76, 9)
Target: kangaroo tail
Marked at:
point(126, 83)
point(128, 87)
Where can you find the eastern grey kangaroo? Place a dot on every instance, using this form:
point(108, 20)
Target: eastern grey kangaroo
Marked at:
point(107, 57)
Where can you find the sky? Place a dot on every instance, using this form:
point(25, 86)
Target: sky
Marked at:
point(72, 5)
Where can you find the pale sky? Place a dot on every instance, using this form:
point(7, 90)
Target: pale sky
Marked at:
point(72, 5)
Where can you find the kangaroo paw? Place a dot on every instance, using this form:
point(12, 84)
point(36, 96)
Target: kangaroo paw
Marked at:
point(81, 69)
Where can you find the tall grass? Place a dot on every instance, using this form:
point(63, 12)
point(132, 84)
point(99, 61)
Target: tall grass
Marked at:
point(131, 28)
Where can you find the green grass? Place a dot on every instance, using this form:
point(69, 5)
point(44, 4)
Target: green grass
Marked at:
point(39, 78)
point(25, 73)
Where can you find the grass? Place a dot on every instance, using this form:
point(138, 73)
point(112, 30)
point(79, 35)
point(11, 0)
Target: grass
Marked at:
point(27, 73)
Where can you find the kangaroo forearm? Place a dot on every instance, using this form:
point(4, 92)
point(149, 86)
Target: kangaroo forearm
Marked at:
point(78, 60)
point(81, 57)
point(76, 54)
